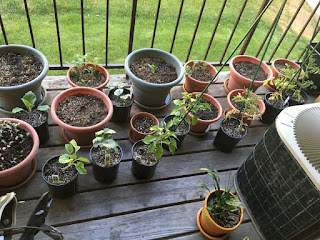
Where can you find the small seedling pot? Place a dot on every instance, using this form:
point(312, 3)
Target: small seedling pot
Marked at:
point(134, 134)
point(271, 111)
point(121, 113)
point(105, 174)
point(139, 170)
point(294, 102)
point(60, 190)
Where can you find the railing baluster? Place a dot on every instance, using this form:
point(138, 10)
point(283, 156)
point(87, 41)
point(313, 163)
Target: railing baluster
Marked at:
point(302, 30)
point(287, 29)
point(107, 31)
point(196, 29)
point(3, 31)
point(155, 23)
point(132, 24)
point(58, 32)
point(215, 29)
point(176, 28)
point(233, 30)
point(29, 23)
point(82, 28)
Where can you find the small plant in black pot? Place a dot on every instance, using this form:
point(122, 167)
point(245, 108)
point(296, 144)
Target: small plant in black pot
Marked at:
point(122, 100)
point(37, 117)
point(61, 172)
point(105, 156)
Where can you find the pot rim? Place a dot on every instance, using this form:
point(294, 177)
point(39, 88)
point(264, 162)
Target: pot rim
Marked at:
point(134, 117)
point(130, 104)
point(90, 158)
point(134, 159)
point(292, 64)
point(190, 63)
point(267, 100)
point(243, 125)
point(167, 116)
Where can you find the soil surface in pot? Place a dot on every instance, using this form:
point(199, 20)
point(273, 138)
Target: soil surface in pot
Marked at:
point(143, 124)
point(232, 128)
point(238, 105)
point(280, 66)
point(35, 119)
point(87, 78)
point(224, 220)
point(201, 74)
point(276, 103)
point(81, 110)
point(17, 69)
point(119, 102)
point(98, 156)
point(181, 130)
point(53, 167)
point(163, 72)
point(140, 153)
point(206, 114)
point(15, 146)
point(248, 69)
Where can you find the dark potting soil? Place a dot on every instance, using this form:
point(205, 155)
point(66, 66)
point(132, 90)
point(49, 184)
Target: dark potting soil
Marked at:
point(140, 153)
point(15, 146)
point(280, 66)
point(119, 102)
point(35, 119)
point(248, 69)
point(201, 74)
point(206, 114)
point(98, 156)
point(181, 130)
point(143, 124)
point(238, 105)
point(53, 167)
point(17, 69)
point(232, 128)
point(81, 110)
point(87, 79)
point(164, 72)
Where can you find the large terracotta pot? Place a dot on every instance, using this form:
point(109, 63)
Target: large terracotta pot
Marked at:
point(203, 126)
point(193, 85)
point(237, 81)
point(83, 135)
point(97, 67)
point(21, 173)
point(134, 134)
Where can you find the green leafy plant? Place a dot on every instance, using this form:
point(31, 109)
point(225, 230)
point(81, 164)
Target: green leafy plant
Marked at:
point(71, 159)
point(152, 67)
point(155, 142)
point(197, 65)
point(105, 142)
point(79, 62)
point(119, 90)
point(222, 205)
point(29, 100)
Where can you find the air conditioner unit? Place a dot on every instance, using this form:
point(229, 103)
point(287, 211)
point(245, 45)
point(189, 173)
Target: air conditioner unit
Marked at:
point(279, 182)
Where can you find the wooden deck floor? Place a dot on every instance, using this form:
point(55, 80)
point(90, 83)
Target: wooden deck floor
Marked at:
point(163, 207)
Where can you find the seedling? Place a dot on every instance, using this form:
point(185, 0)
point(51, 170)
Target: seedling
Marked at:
point(152, 67)
point(196, 66)
point(29, 100)
point(71, 159)
point(119, 89)
point(105, 142)
point(80, 62)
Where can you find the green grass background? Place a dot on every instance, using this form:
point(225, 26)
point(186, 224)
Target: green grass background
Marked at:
point(44, 29)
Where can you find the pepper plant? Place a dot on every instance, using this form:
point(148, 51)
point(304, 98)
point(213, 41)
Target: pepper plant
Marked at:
point(29, 100)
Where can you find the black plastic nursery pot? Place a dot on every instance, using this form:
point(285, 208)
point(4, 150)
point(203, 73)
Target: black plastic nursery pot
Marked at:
point(121, 113)
point(271, 111)
point(60, 190)
point(294, 102)
point(107, 173)
point(139, 170)
point(224, 142)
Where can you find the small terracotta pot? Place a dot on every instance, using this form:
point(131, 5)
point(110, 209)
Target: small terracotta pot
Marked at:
point(209, 225)
point(135, 135)
point(83, 135)
point(237, 81)
point(20, 174)
point(277, 73)
point(203, 126)
point(194, 85)
point(246, 118)
point(96, 67)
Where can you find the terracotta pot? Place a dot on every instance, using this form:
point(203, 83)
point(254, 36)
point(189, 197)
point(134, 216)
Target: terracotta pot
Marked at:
point(210, 226)
point(277, 73)
point(247, 117)
point(194, 85)
point(203, 126)
point(238, 81)
point(97, 67)
point(135, 135)
point(83, 135)
point(21, 173)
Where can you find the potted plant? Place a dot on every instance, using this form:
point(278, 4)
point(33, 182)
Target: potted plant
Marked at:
point(37, 118)
point(242, 71)
point(197, 75)
point(140, 125)
point(87, 74)
point(122, 100)
point(22, 69)
point(105, 156)
point(153, 73)
point(314, 73)
point(222, 212)
point(60, 172)
point(81, 112)
point(18, 147)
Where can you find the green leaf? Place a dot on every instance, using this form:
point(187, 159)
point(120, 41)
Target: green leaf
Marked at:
point(187, 120)
point(83, 159)
point(68, 148)
point(118, 92)
point(80, 168)
point(17, 109)
point(109, 131)
point(75, 145)
point(149, 138)
point(28, 105)
point(194, 120)
point(173, 142)
point(73, 156)
point(30, 97)
point(202, 185)
point(43, 108)
point(151, 148)
point(64, 159)
point(159, 152)
point(172, 149)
